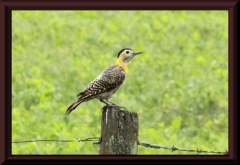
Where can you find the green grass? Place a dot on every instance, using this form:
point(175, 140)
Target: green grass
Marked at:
point(178, 87)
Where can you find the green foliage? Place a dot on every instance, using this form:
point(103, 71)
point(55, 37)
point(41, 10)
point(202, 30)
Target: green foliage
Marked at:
point(178, 87)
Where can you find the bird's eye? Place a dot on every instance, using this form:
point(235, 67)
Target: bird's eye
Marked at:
point(127, 52)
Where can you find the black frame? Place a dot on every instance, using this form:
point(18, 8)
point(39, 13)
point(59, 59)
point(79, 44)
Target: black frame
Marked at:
point(6, 7)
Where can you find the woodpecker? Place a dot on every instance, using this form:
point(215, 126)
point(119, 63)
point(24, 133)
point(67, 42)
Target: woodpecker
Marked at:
point(108, 82)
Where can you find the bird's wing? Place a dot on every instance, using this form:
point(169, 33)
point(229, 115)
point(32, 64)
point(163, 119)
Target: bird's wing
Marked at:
point(111, 78)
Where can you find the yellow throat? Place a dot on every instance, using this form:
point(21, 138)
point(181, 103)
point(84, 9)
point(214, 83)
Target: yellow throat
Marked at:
point(122, 64)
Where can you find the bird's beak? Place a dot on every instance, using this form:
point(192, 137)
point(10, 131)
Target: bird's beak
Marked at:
point(136, 53)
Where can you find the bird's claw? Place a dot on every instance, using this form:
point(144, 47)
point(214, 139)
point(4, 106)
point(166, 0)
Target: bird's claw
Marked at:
point(114, 105)
point(120, 107)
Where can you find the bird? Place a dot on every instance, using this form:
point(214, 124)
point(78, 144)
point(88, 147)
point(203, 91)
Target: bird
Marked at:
point(108, 82)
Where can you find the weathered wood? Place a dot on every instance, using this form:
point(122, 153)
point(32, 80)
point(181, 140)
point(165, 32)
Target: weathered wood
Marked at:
point(119, 132)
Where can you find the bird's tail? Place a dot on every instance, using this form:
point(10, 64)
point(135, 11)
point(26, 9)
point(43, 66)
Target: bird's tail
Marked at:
point(73, 106)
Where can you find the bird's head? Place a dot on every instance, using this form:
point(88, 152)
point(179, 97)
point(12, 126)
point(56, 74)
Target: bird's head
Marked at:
point(124, 57)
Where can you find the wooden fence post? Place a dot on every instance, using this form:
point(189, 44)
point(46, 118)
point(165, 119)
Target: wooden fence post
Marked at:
point(119, 132)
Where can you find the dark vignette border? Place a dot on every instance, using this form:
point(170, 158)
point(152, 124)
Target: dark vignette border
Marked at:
point(6, 6)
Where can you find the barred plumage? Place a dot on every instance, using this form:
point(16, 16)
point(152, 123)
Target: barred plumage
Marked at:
point(108, 82)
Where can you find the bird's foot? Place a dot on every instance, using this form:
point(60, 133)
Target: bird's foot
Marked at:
point(120, 107)
point(113, 105)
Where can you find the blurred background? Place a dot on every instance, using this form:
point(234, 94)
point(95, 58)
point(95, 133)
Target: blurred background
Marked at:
point(178, 87)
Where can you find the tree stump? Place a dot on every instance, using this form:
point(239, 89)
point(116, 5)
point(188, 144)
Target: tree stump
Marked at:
point(119, 132)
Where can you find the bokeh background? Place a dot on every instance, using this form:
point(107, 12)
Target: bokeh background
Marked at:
point(178, 87)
